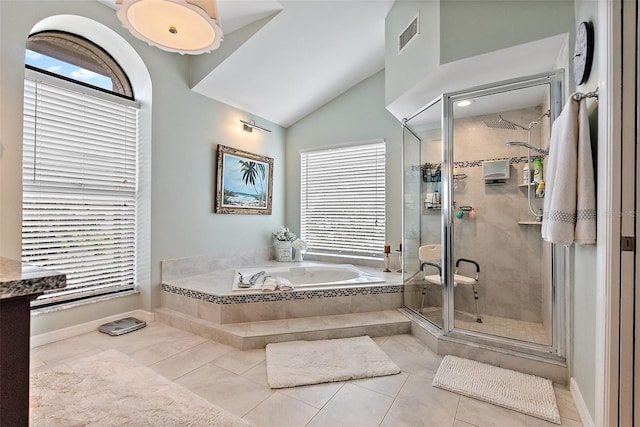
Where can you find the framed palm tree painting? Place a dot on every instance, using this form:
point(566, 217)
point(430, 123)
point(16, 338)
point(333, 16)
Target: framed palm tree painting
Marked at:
point(244, 182)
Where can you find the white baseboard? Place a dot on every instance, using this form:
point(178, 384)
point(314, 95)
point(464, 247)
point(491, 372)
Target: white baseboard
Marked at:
point(581, 406)
point(72, 331)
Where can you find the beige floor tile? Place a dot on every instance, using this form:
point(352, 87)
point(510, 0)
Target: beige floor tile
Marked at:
point(419, 404)
point(280, 410)
point(424, 364)
point(484, 414)
point(537, 422)
point(407, 343)
point(153, 334)
point(60, 351)
point(353, 406)
point(258, 374)
point(380, 340)
point(316, 395)
point(389, 384)
point(157, 352)
point(239, 362)
point(186, 361)
point(225, 389)
point(236, 380)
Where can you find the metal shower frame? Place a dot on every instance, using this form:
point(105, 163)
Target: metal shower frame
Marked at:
point(557, 350)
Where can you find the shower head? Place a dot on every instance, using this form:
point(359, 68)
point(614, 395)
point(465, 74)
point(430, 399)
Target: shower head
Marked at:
point(503, 124)
point(525, 145)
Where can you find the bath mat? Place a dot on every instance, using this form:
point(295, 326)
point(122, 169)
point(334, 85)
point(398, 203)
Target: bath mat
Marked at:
point(520, 392)
point(111, 389)
point(296, 363)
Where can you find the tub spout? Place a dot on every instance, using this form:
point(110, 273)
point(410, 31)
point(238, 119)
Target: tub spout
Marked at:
point(255, 277)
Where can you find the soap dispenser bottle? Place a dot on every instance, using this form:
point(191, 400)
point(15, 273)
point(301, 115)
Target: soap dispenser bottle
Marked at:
point(526, 174)
point(537, 171)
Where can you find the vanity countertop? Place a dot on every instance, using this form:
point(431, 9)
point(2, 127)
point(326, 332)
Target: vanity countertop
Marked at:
point(18, 279)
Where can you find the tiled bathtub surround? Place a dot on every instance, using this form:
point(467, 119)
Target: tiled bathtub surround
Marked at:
point(187, 267)
point(209, 297)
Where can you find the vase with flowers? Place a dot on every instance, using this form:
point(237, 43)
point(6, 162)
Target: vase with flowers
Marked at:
point(283, 238)
point(301, 247)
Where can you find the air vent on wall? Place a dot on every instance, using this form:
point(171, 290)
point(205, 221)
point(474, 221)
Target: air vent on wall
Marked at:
point(410, 32)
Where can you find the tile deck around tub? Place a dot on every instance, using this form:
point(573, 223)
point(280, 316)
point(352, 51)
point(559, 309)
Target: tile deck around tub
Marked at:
point(215, 288)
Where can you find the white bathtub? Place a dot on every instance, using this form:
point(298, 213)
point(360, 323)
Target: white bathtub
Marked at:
point(307, 276)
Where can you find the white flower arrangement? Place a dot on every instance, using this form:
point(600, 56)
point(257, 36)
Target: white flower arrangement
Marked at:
point(299, 245)
point(284, 235)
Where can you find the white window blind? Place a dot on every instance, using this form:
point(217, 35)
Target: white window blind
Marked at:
point(79, 189)
point(343, 199)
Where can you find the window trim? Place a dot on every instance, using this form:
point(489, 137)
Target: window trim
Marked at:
point(53, 79)
point(86, 49)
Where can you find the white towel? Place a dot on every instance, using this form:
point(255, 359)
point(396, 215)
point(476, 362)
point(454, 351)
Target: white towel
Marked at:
point(570, 203)
point(284, 284)
point(269, 284)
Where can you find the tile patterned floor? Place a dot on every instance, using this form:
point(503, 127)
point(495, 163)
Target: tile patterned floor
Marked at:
point(236, 381)
point(493, 325)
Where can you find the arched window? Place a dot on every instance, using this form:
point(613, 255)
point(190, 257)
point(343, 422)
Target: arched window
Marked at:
point(80, 168)
point(75, 58)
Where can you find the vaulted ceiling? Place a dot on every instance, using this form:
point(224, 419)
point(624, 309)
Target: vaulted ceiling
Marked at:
point(297, 56)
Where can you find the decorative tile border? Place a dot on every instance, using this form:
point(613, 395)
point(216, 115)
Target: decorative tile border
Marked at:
point(283, 296)
point(475, 163)
point(478, 163)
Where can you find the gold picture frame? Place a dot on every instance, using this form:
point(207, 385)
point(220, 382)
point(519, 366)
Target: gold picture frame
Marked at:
point(244, 182)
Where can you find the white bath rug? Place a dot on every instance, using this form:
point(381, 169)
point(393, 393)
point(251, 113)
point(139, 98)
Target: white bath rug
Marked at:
point(295, 363)
point(111, 389)
point(520, 392)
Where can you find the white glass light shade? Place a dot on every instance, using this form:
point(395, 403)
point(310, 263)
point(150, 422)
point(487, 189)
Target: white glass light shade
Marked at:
point(172, 25)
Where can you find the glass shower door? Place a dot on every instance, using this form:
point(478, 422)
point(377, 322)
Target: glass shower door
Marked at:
point(422, 228)
point(503, 285)
point(475, 264)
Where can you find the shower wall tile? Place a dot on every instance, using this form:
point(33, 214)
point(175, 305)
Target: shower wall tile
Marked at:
point(512, 277)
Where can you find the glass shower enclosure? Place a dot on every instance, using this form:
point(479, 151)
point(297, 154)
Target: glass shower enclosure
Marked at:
point(475, 265)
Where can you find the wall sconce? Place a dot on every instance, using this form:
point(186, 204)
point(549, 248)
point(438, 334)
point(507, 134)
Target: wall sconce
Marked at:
point(179, 26)
point(251, 125)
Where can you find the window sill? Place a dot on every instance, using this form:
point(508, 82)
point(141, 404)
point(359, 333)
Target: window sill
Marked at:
point(344, 259)
point(74, 304)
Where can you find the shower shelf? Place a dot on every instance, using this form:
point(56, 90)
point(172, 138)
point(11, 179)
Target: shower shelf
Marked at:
point(530, 222)
point(532, 185)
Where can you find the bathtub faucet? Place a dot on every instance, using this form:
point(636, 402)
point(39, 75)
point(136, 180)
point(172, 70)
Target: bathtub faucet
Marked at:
point(255, 277)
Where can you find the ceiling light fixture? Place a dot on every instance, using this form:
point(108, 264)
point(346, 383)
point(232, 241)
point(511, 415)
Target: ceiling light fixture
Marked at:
point(180, 26)
point(251, 125)
point(464, 102)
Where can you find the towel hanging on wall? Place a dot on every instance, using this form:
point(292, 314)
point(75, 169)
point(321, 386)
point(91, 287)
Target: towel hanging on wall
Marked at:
point(570, 199)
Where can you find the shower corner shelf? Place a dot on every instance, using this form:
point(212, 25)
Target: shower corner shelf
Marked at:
point(530, 222)
point(531, 184)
